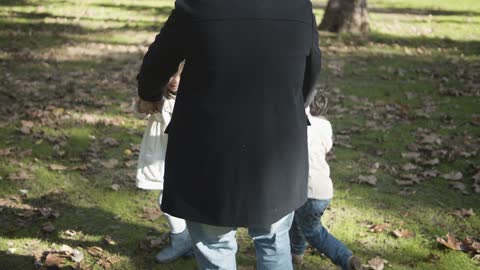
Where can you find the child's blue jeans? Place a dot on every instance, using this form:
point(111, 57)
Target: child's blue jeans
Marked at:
point(308, 227)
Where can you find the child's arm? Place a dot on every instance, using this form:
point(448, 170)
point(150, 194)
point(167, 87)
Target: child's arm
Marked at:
point(169, 92)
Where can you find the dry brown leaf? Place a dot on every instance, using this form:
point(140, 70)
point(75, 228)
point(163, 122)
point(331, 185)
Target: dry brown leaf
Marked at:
point(156, 242)
point(452, 242)
point(431, 162)
point(151, 213)
point(26, 127)
point(376, 263)
point(110, 142)
point(476, 188)
point(110, 164)
point(378, 228)
point(48, 212)
point(130, 163)
point(403, 233)
point(374, 168)
point(369, 179)
point(57, 167)
point(432, 258)
point(431, 139)
point(53, 261)
point(476, 177)
point(463, 213)
point(460, 186)
point(77, 256)
point(20, 175)
point(95, 251)
point(6, 151)
point(411, 155)
point(454, 176)
point(405, 182)
point(430, 173)
point(409, 167)
point(471, 245)
point(81, 167)
point(109, 241)
point(48, 227)
point(407, 192)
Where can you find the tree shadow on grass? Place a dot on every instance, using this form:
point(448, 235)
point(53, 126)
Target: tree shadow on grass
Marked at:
point(162, 11)
point(467, 47)
point(87, 222)
point(414, 11)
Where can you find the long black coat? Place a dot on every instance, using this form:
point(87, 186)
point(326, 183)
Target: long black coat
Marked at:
point(237, 150)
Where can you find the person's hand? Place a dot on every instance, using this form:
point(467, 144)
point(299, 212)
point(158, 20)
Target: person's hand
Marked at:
point(149, 107)
point(171, 89)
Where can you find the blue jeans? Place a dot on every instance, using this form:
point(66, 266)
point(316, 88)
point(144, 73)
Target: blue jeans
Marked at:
point(215, 247)
point(308, 227)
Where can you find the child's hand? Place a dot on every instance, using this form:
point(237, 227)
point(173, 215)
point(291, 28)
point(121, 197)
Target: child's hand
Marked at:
point(172, 86)
point(148, 107)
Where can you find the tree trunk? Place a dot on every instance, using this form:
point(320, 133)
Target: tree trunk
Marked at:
point(345, 16)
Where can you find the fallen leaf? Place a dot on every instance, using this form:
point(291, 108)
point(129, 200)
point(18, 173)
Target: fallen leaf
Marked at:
point(376, 263)
point(460, 186)
point(6, 151)
point(110, 142)
point(66, 249)
point(412, 177)
point(26, 127)
point(431, 139)
point(374, 168)
point(431, 162)
point(378, 228)
point(409, 167)
point(471, 245)
point(48, 227)
point(411, 155)
point(77, 256)
point(95, 251)
point(476, 177)
point(451, 242)
point(151, 213)
point(130, 163)
point(156, 242)
point(110, 164)
point(20, 175)
point(404, 182)
point(463, 213)
point(48, 212)
point(454, 176)
point(430, 173)
point(70, 233)
point(403, 233)
point(53, 261)
point(369, 179)
point(432, 258)
point(407, 192)
point(57, 167)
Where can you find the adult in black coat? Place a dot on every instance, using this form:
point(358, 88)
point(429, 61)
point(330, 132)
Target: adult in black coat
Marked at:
point(237, 150)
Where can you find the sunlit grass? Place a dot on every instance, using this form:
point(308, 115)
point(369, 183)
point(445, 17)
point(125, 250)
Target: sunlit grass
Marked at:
point(91, 50)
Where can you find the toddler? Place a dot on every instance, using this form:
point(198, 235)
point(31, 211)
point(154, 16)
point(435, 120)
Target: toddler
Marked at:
point(306, 224)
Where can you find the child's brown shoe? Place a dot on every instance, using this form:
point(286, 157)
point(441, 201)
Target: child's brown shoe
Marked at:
point(297, 259)
point(354, 263)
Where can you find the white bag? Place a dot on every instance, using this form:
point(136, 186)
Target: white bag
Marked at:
point(151, 161)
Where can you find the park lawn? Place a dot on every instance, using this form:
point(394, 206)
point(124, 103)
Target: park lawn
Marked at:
point(68, 142)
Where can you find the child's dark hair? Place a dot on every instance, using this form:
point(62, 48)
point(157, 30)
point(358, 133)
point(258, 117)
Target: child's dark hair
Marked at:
point(319, 106)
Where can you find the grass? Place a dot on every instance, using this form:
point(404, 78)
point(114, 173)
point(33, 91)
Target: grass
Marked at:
point(70, 66)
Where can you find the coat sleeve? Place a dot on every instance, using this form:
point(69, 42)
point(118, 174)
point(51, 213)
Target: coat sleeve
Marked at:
point(162, 58)
point(313, 66)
